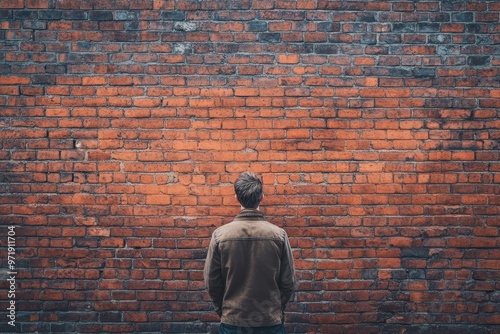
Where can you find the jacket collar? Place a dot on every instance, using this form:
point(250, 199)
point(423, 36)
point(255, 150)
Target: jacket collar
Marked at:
point(249, 213)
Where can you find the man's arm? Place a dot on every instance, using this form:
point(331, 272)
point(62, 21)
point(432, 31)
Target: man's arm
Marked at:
point(213, 276)
point(287, 274)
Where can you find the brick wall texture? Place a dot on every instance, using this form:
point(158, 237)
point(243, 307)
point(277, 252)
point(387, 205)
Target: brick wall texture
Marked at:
point(374, 126)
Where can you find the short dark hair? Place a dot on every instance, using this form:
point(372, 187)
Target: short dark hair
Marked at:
point(248, 188)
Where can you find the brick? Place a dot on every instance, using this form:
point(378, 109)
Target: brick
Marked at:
point(94, 81)
point(95, 231)
point(288, 59)
point(12, 4)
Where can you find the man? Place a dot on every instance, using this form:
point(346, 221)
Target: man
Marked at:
point(249, 270)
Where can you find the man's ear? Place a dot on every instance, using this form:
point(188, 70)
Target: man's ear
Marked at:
point(262, 197)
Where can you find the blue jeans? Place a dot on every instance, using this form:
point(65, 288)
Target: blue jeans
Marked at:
point(228, 329)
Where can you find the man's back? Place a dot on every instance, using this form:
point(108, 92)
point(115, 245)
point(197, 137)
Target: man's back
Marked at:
point(249, 271)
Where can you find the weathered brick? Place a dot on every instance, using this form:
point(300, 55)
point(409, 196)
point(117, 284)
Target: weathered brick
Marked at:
point(174, 15)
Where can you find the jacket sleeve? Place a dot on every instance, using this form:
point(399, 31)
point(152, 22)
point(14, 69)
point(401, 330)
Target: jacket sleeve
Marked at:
point(212, 273)
point(287, 273)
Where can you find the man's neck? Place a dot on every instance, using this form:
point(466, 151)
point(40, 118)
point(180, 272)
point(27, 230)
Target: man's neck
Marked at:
point(242, 208)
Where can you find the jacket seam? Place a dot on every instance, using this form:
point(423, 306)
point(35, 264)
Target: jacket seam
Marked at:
point(239, 239)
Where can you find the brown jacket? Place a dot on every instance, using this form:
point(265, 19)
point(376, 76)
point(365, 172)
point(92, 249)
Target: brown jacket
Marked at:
point(249, 271)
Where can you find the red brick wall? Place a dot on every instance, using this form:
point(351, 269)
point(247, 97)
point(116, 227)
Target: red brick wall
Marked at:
point(374, 125)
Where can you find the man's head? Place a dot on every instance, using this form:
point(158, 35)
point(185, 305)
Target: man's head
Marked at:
point(248, 188)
